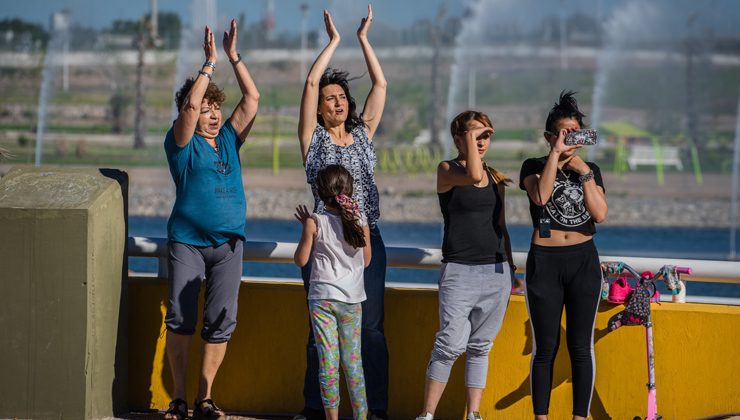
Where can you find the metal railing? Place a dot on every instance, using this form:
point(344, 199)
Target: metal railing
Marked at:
point(431, 258)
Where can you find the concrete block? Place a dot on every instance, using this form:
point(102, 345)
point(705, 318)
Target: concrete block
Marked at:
point(62, 260)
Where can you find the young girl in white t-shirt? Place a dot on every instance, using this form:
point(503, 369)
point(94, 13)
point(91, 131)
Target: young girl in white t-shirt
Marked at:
point(335, 241)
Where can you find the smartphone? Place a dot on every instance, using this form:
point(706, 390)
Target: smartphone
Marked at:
point(585, 137)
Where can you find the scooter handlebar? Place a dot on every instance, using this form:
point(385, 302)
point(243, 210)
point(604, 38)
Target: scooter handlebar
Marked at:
point(684, 270)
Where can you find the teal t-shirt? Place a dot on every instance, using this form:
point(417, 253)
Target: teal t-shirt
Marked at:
point(210, 207)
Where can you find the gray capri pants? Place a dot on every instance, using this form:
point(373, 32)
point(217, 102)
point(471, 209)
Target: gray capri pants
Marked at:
point(472, 304)
point(221, 268)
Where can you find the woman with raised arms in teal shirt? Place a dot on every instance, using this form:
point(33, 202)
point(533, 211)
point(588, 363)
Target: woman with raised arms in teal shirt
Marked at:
point(206, 227)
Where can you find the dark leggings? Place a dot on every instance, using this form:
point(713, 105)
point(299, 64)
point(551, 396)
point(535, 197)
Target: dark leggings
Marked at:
point(558, 277)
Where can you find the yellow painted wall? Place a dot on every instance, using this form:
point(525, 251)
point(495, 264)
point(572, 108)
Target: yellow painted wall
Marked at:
point(697, 358)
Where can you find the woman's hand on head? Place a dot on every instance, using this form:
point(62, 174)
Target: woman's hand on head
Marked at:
point(473, 135)
point(331, 30)
point(229, 42)
point(209, 45)
point(478, 133)
point(302, 214)
point(365, 23)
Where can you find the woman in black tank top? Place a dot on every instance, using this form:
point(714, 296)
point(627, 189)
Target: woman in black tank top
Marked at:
point(477, 271)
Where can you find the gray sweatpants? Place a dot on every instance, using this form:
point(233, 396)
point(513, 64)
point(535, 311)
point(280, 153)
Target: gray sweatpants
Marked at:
point(221, 267)
point(472, 304)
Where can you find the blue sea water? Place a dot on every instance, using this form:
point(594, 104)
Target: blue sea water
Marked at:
point(672, 242)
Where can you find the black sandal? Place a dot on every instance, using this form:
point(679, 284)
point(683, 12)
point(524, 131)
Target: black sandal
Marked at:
point(207, 409)
point(178, 410)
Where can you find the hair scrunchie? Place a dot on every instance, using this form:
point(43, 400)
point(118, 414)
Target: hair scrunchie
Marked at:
point(348, 205)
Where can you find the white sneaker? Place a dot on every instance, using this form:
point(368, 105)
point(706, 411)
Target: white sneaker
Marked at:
point(474, 416)
point(425, 416)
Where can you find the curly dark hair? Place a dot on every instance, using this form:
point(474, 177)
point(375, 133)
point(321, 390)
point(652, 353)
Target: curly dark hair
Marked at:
point(331, 181)
point(214, 94)
point(565, 107)
point(337, 77)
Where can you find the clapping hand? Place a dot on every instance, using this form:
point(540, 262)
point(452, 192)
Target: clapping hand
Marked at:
point(365, 23)
point(331, 30)
point(229, 42)
point(209, 45)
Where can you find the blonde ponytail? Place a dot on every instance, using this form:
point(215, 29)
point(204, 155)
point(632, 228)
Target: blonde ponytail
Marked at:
point(498, 176)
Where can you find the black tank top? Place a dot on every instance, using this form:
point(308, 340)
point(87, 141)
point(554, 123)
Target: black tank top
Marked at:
point(471, 232)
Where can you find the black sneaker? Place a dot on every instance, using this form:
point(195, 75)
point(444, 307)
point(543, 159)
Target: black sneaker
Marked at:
point(309, 413)
point(377, 415)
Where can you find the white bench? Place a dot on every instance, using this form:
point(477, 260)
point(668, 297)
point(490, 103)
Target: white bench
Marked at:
point(645, 155)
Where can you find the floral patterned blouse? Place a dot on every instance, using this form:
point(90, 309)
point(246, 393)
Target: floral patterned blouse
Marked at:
point(358, 158)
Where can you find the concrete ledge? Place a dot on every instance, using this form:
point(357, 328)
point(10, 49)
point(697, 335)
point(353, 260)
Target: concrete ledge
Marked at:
point(696, 358)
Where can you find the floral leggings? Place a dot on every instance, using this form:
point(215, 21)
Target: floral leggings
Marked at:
point(336, 326)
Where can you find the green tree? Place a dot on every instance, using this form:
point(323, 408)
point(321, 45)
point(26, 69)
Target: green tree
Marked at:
point(119, 103)
point(20, 29)
point(170, 29)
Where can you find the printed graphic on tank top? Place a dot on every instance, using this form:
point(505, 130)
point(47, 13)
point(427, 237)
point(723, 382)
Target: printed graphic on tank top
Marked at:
point(566, 205)
point(566, 208)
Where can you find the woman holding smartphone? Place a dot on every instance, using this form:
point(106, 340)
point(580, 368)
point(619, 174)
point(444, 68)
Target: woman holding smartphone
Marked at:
point(566, 200)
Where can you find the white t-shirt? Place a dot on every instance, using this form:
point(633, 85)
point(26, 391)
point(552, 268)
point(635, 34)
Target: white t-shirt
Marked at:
point(337, 267)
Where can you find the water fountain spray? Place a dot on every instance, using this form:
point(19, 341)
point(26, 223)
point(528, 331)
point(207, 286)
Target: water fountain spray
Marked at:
point(190, 53)
point(58, 40)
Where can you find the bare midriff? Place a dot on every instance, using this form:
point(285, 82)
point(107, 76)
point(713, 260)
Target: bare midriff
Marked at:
point(560, 238)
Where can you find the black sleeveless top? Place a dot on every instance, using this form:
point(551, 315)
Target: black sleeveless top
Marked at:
point(566, 208)
point(472, 235)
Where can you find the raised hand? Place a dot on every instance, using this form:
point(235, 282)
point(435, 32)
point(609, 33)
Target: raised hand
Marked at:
point(302, 214)
point(479, 133)
point(365, 23)
point(229, 42)
point(209, 45)
point(559, 146)
point(331, 30)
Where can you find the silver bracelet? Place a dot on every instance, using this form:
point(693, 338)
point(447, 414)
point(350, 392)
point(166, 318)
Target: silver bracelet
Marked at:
point(587, 177)
point(237, 61)
point(208, 75)
point(210, 64)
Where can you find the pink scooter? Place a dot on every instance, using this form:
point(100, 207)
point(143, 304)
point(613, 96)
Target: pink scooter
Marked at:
point(637, 312)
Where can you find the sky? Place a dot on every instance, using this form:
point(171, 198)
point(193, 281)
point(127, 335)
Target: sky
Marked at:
point(722, 15)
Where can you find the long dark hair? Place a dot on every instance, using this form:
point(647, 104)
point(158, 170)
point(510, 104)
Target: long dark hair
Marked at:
point(337, 77)
point(334, 180)
point(459, 125)
point(565, 107)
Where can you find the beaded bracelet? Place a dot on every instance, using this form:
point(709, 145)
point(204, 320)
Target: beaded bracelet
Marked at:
point(208, 75)
point(587, 177)
point(237, 61)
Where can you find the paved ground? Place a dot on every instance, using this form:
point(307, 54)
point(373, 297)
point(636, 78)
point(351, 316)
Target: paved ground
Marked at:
point(635, 199)
point(238, 416)
point(678, 185)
